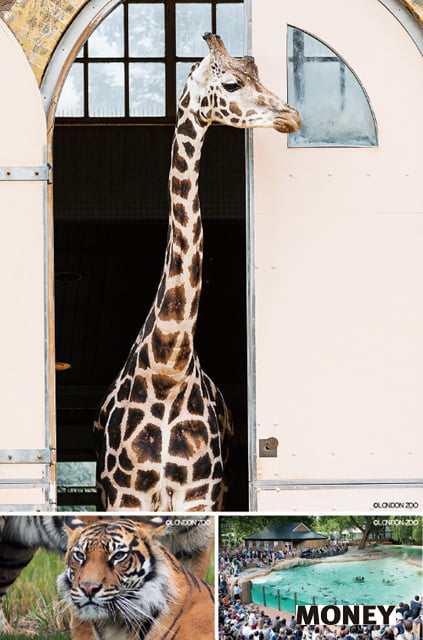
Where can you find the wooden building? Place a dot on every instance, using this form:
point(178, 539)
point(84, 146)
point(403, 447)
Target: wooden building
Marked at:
point(287, 536)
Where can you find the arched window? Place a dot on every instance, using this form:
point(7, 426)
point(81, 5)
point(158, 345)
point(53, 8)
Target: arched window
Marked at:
point(135, 63)
point(334, 107)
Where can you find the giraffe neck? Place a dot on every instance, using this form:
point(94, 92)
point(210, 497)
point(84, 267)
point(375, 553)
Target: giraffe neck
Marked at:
point(178, 295)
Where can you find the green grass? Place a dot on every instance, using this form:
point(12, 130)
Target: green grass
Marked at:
point(32, 603)
point(19, 636)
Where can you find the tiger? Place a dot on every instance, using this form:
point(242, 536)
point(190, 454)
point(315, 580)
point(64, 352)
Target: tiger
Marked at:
point(129, 586)
point(21, 536)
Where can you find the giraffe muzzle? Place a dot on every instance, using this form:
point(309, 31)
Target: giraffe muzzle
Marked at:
point(288, 122)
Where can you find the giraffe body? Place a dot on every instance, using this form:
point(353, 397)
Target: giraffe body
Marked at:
point(164, 430)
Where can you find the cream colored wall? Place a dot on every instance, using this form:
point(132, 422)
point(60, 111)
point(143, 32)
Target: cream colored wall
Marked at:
point(338, 264)
point(22, 341)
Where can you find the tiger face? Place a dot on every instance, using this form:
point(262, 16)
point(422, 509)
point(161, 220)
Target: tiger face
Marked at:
point(116, 575)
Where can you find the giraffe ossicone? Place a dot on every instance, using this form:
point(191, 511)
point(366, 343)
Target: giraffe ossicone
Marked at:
point(163, 430)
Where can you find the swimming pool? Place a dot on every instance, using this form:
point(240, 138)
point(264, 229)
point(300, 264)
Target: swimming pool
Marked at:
point(388, 580)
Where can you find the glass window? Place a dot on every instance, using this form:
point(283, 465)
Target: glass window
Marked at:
point(230, 26)
point(107, 40)
point(146, 30)
point(334, 107)
point(71, 101)
point(192, 20)
point(105, 89)
point(182, 72)
point(147, 89)
point(141, 54)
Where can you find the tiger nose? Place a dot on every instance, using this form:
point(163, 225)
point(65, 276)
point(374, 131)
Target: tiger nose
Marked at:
point(90, 588)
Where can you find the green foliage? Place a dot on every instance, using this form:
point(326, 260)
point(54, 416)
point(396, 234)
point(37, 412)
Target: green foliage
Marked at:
point(32, 603)
point(19, 636)
point(403, 532)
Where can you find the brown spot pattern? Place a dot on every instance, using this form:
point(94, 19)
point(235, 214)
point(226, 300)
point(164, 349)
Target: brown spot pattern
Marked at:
point(233, 107)
point(162, 385)
point(139, 390)
point(187, 437)
point(195, 402)
point(184, 353)
point(163, 345)
point(176, 265)
point(180, 214)
point(187, 129)
point(197, 231)
point(176, 473)
point(176, 407)
point(122, 479)
point(143, 359)
point(195, 304)
point(135, 417)
point(197, 493)
point(189, 148)
point(173, 306)
point(195, 270)
point(148, 444)
point(181, 187)
point(146, 480)
point(130, 501)
point(180, 240)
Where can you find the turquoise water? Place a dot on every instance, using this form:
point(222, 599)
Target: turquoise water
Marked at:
point(330, 582)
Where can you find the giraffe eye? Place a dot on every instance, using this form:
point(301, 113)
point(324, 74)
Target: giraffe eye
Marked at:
point(79, 555)
point(231, 86)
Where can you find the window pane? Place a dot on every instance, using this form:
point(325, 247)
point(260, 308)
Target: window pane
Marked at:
point(147, 89)
point(333, 105)
point(106, 96)
point(230, 26)
point(107, 40)
point(182, 72)
point(71, 102)
point(192, 20)
point(146, 30)
point(71, 474)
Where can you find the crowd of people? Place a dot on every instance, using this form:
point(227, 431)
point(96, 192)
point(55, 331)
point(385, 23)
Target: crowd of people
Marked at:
point(233, 562)
point(239, 621)
point(247, 622)
point(324, 552)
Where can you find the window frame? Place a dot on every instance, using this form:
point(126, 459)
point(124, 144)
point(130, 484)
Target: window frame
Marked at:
point(170, 60)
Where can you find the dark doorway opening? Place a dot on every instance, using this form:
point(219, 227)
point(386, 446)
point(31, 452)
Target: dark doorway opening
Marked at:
point(111, 207)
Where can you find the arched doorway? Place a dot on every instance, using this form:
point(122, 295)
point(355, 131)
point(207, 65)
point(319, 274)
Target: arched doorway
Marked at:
point(111, 155)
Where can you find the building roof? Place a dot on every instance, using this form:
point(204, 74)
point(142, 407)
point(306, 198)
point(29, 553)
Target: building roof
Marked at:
point(286, 531)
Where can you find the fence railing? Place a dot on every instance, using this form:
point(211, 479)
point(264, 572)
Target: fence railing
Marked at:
point(279, 598)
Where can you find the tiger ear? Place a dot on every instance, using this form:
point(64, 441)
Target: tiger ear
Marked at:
point(72, 523)
point(156, 526)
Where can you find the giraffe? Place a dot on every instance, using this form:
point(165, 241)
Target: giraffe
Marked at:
point(164, 430)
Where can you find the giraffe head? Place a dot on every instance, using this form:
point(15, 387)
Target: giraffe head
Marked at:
point(233, 93)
